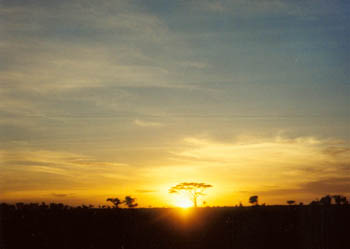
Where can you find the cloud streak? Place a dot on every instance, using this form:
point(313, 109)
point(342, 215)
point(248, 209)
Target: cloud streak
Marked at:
point(303, 163)
point(51, 169)
point(146, 123)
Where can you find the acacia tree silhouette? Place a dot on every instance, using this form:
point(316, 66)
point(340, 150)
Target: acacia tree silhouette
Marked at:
point(339, 199)
point(290, 202)
point(130, 202)
point(194, 189)
point(326, 200)
point(253, 199)
point(115, 201)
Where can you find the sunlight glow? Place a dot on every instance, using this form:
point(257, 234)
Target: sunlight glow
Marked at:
point(182, 201)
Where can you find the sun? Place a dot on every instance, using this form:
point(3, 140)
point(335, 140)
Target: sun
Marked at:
point(182, 201)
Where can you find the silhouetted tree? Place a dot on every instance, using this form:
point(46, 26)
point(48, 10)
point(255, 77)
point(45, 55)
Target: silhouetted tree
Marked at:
point(326, 200)
point(340, 200)
point(254, 199)
point(116, 202)
point(43, 205)
point(56, 206)
point(315, 202)
point(20, 205)
point(194, 189)
point(130, 202)
point(290, 202)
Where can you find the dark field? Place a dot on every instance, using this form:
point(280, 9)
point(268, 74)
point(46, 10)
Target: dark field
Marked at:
point(282, 227)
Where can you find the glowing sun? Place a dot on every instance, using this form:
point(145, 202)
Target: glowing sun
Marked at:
point(182, 201)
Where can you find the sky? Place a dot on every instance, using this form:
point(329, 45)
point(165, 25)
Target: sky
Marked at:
point(111, 98)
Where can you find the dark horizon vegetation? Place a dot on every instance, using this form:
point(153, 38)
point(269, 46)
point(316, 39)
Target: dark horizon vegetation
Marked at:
point(56, 226)
point(130, 203)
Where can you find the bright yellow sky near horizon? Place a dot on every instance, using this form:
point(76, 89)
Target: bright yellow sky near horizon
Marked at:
point(273, 169)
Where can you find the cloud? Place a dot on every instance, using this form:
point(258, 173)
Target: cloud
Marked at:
point(59, 55)
point(255, 8)
point(61, 195)
point(142, 123)
point(290, 164)
point(55, 161)
point(84, 46)
point(79, 66)
point(332, 185)
point(194, 64)
point(337, 151)
point(308, 191)
point(144, 191)
point(265, 150)
point(53, 170)
point(50, 170)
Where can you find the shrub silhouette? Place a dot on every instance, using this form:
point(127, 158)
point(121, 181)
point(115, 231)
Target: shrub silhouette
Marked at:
point(326, 200)
point(290, 202)
point(130, 202)
point(254, 200)
point(116, 202)
point(340, 200)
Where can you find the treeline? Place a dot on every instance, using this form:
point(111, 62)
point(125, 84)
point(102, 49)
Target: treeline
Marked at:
point(323, 201)
point(130, 202)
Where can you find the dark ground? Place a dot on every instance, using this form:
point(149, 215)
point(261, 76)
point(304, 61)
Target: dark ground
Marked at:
point(280, 227)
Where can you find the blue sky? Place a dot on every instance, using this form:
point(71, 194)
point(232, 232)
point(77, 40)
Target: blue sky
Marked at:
point(137, 88)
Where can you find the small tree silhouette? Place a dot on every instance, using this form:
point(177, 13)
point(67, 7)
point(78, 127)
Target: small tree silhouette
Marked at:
point(326, 200)
point(315, 202)
point(116, 202)
point(290, 202)
point(339, 199)
point(254, 200)
point(194, 189)
point(130, 202)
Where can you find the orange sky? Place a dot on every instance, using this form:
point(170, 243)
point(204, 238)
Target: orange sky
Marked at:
point(236, 170)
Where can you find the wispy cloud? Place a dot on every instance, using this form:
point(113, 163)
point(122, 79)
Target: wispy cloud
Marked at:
point(41, 167)
point(262, 7)
point(61, 195)
point(303, 163)
point(142, 123)
point(144, 191)
point(308, 190)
